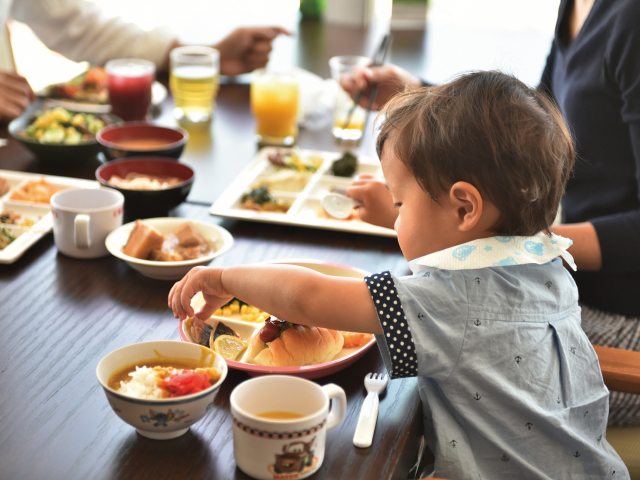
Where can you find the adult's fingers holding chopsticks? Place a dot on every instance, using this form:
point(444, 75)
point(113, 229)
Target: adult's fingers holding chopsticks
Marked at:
point(390, 79)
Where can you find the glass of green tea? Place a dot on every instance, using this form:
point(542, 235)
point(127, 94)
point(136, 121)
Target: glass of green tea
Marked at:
point(194, 80)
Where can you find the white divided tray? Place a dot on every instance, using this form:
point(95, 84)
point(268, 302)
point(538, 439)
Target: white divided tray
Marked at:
point(35, 219)
point(305, 210)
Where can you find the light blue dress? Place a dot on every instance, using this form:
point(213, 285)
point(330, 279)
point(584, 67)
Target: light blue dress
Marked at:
point(511, 386)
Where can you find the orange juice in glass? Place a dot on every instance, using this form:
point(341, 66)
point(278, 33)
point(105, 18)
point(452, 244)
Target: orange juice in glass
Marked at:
point(274, 103)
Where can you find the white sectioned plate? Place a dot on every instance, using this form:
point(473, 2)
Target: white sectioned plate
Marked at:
point(39, 213)
point(305, 210)
point(219, 239)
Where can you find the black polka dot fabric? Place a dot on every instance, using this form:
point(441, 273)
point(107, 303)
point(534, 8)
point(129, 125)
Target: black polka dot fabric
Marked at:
point(394, 325)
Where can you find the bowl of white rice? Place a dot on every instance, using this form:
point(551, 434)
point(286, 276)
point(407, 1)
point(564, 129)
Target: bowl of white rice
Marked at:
point(142, 399)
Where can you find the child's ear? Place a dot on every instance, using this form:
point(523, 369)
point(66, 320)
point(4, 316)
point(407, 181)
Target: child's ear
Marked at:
point(466, 202)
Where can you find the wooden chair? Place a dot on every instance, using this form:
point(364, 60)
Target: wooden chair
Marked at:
point(621, 373)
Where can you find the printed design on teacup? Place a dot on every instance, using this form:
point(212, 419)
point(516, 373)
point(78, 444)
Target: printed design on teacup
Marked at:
point(277, 435)
point(296, 459)
point(162, 419)
point(117, 212)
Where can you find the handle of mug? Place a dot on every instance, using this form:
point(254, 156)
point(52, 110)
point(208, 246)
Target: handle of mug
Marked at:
point(81, 231)
point(338, 404)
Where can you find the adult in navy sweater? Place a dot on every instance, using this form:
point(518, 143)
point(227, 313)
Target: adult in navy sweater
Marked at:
point(593, 73)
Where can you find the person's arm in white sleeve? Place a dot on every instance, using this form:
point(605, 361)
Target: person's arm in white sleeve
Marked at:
point(80, 31)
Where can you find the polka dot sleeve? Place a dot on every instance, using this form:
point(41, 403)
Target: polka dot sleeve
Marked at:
point(396, 331)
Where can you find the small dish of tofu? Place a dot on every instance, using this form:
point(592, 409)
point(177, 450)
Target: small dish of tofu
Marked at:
point(167, 248)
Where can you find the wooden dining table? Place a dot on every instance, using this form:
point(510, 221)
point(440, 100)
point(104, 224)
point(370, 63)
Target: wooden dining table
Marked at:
point(61, 315)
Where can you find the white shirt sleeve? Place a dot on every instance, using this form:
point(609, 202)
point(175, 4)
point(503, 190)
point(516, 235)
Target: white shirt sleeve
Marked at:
point(80, 31)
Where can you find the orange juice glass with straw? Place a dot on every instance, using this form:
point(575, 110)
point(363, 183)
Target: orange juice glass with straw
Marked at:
point(274, 103)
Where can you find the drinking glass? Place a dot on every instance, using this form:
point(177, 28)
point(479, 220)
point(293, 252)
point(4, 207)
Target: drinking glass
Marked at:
point(129, 81)
point(274, 103)
point(351, 132)
point(194, 80)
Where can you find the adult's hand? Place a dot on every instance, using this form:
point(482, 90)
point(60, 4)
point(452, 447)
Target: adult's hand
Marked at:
point(246, 49)
point(15, 95)
point(390, 79)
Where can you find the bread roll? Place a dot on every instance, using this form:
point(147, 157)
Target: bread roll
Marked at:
point(298, 345)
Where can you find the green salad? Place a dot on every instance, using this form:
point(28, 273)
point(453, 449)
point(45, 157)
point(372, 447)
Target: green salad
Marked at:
point(61, 126)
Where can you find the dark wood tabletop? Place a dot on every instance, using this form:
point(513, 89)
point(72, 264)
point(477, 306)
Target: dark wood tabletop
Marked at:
point(61, 315)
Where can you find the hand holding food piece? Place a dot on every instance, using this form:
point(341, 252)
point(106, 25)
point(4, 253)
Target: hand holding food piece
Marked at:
point(377, 203)
point(15, 95)
point(389, 78)
point(199, 279)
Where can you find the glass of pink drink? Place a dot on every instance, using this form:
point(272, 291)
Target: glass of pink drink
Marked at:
point(129, 82)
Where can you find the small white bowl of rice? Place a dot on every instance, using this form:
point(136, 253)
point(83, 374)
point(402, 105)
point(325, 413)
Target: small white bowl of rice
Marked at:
point(149, 397)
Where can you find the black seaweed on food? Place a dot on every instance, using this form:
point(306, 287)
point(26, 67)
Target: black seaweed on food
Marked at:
point(345, 166)
point(259, 195)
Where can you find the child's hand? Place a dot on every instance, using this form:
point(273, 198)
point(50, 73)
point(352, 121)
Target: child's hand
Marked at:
point(199, 279)
point(377, 203)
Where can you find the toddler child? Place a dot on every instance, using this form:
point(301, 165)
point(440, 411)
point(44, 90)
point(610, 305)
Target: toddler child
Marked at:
point(489, 321)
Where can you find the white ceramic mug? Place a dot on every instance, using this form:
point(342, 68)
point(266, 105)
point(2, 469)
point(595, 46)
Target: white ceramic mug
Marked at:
point(82, 219)
point(269, 449)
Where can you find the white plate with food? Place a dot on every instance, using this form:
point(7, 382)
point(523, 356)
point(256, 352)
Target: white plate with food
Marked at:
point(234, 332)
point(88, 92)
point(286, 186)
point(167, 248)
point(25, 213)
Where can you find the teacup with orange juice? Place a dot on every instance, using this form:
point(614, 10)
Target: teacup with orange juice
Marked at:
point(274, 103)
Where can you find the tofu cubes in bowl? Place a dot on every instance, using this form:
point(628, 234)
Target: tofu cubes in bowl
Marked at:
point(167, 248)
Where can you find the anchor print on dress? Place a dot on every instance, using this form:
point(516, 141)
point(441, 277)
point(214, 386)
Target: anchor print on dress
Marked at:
point(477, 323)
point(518, 359)
point(600, 437)
point(420, 316)
point(529, 425)
point(453, 443)
point(477, 397)
point(573, 350)
point(549, 284)
point(577, 454)
point(462, 252)
point(585, 414)
point(534, 248)
point(505, 458)
point(477, 280)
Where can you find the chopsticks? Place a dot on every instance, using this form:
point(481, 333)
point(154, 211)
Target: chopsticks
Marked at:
point(377, 61)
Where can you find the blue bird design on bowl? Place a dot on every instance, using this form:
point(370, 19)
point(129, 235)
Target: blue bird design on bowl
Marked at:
point(462, 252)
point(534, 248)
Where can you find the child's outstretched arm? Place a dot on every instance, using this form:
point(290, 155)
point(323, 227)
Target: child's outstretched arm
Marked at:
point(295, 294)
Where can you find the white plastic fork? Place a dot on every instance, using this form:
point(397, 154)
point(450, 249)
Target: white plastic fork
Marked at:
point(375, 383)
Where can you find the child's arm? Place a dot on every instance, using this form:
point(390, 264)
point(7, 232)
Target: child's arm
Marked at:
point(295, 294)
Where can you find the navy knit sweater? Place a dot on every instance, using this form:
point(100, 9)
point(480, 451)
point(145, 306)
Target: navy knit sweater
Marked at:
point(596, 84)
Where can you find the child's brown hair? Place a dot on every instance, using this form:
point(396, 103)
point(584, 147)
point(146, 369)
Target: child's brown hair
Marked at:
point(491, 130)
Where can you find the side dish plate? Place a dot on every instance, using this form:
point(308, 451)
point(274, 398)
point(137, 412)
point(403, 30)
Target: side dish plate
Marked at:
point(306, 209)
point(246, 330)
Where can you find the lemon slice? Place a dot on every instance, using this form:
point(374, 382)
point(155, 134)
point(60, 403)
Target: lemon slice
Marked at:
point(229, 347)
